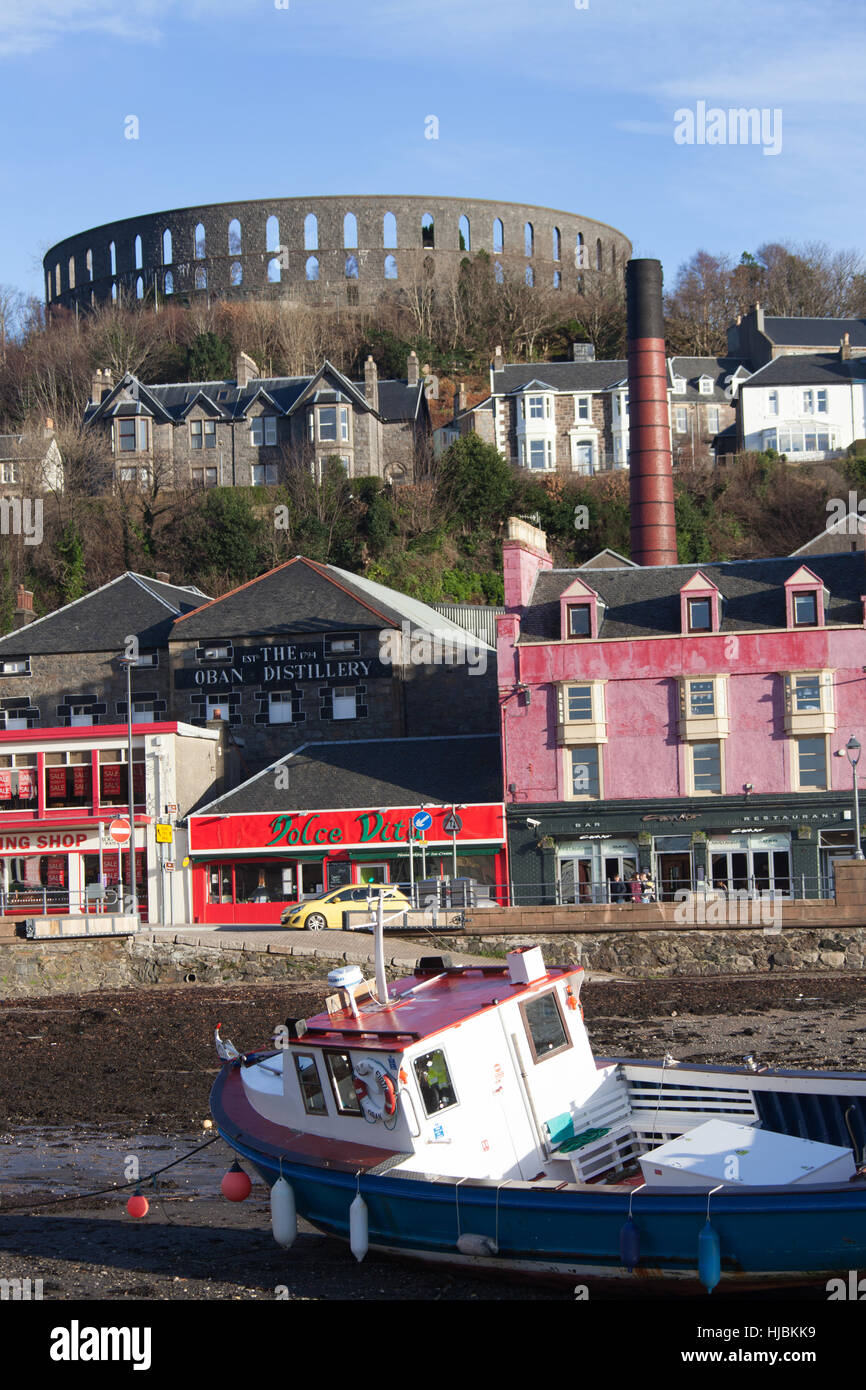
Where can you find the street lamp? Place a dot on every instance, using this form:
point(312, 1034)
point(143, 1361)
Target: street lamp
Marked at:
point(129, 662)
point(852, 751)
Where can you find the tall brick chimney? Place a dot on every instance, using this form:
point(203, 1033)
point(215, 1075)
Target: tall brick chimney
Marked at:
point(413, 370)
point(245, 370)
point(845, 348)
point(653, 524)
point(524, 555)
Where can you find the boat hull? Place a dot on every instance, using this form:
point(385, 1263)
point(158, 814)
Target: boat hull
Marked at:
point(768, 1236)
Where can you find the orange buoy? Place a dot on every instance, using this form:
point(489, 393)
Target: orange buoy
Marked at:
point(137, 1205)
point(236, 1185)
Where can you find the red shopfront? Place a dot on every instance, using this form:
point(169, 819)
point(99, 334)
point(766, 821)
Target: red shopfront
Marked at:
point(246, 868)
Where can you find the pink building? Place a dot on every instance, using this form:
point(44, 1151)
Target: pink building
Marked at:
point(680, 719)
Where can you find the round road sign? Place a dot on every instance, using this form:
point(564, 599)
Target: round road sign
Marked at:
point(422, 820)
point(119, 831)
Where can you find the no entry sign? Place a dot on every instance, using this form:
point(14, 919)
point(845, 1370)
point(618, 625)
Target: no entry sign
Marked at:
point(119, 831)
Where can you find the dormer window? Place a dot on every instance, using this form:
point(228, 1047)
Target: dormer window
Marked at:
point(806, 610)
point(699, 605)
point(700, 615)
point(804, 599)
point(706, 386)
point(679, 385)
point(579, 620)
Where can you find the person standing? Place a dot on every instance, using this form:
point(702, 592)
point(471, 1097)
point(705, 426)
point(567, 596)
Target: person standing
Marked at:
point(635, 886)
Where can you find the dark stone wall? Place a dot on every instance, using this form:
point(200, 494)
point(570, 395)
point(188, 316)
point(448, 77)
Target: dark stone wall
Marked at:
point(69, 281)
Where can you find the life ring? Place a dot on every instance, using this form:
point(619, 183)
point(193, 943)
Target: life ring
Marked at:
point(375, 1108)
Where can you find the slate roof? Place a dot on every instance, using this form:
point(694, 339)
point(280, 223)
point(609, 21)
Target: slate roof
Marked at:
point(226, 400)
point(561, 376)
point(646, 602)
point(809, 369)
point(305, 596)
point(818, 333)
point(364, 773)
point(102, 620)
point(692, 368)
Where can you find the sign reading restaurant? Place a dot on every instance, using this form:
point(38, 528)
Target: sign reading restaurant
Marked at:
point(275, 665)
point(337, 830)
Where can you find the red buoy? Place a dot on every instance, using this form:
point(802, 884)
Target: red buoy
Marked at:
point(137, 1205)
point(236, 1185)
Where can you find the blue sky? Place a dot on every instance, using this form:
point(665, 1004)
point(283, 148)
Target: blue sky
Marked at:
point(537, 101)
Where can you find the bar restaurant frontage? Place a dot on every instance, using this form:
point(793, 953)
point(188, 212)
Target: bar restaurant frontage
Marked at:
point(247, 867)
point(572, 851)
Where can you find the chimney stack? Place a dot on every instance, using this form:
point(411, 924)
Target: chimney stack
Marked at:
point(162, 576)
point(23, 613)
point(845, 348)
point(371, 383)
point(413, 371)
point(498, 359)
point(245, 370)
point(460, 399)
point(653, 524)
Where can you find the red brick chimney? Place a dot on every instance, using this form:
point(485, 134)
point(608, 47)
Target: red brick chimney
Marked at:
point(653, 524)
point(23, 613)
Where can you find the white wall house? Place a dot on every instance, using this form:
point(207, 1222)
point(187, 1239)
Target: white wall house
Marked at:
point(808, 407)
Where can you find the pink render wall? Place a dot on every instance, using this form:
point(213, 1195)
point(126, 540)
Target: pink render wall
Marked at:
point(644, 757)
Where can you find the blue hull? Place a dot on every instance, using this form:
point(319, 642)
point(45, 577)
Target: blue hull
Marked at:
point(766, 1235)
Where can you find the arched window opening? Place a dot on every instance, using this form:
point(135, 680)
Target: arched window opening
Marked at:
point(389, 232)
point(311, 233)
point(112, 256)
point(463, 229)
point(72, 272)
point(272, 234)
point(199, 246)
point(312, 268)
point(234, 237)
point(166, 247)
point(114, 294)
point(529, 239)
point(88, 261)
point(390, 268)
point(57, 278)
point(350, 230)
point(497, 273)
point(557, 244)
point(557, 280)
point(598, 255)
point(498, 236)
point(138, 258)
point(169, 282)
point(139, 288)
point(428, 239)
point(201, 277)
point(530, 275)
point(236, 274)
point(275, 271)
point(351, 267)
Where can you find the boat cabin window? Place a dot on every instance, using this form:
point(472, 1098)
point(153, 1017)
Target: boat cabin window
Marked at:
point(545, 1026)
point(343, 1082)
point(434, 1081)
point(311, 1087)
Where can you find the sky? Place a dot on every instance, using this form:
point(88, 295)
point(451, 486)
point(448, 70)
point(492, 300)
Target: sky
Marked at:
point(570, 104)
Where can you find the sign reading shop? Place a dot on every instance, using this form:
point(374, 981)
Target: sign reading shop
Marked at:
point(281, 665)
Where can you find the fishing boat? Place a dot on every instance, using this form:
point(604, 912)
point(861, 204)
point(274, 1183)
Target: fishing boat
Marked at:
point(458, 1116)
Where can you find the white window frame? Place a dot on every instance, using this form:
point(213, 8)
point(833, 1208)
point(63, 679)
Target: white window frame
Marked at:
point(345, 694)
point(705, 386)
point(263, 431)
point(772, 402)
point(571, 757)
point(588, 729)
point(681, 420)
point(797, 784)
point(217, 702)
point(280, 700)
point(691, 750)
point(582, 410)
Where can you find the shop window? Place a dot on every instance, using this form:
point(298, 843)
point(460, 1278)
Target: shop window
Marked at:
point(259, 883)
point(114, 781)
point(434, 1081)
point(68, 779)
point(18, 782)
point(343, 1082)
point(311, 1087)
point(545, 1026)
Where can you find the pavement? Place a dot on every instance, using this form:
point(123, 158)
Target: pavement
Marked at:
point(354, 947)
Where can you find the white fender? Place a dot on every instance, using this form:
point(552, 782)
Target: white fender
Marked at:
point(284, 1216)
point(359, 1228)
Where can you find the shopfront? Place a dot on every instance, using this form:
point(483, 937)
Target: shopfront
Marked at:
point(50, 871)
point(248, 867)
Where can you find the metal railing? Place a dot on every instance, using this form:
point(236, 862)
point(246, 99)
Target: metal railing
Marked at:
point(44, 901)
point(818, 887)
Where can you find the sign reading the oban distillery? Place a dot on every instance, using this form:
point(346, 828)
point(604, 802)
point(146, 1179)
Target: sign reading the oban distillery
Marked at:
point(275, 666)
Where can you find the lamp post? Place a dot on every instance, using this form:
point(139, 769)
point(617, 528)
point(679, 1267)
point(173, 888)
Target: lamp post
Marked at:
point(129, 662)
point(852, 751)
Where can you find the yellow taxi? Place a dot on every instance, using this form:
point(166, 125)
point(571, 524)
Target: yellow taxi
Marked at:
point(326, 910)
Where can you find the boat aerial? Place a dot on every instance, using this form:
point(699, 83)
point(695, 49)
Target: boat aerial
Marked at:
point(459, 1116)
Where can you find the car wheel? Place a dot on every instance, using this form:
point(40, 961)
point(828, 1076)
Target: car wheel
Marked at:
point(315, 922)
